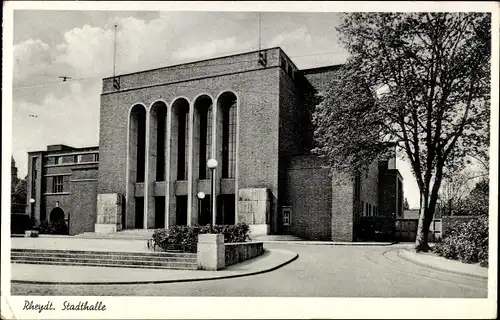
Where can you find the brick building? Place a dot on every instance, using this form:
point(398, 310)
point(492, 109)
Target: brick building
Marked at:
point(252, 113)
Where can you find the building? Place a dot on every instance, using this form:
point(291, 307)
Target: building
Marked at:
point(252, 113)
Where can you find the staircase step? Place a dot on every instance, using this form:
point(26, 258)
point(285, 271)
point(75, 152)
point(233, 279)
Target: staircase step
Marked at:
point(41, 255)
point(49, 260)
point(91, 264)
point(136, 254)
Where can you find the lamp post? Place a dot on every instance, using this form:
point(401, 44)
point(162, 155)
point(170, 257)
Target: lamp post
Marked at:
point(212, 164)
point(201, 196)
point(32, 202)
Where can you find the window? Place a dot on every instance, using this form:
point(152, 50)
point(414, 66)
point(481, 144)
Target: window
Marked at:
point(362, 208)
point(286, 219)
point(182, 145)
point(58, 160)
point(96, 157)
point(229, 142)
point(57, 184)
point(78, 158)
point(366, 209)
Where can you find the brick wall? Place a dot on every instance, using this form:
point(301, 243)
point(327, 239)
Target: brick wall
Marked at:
point(309, 193)
point(342, 222)
point(83, 188)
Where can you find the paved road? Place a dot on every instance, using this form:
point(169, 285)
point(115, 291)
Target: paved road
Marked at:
point(320, 271)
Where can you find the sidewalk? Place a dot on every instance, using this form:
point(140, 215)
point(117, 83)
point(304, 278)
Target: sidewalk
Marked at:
point(271, 260)
point(434, 261)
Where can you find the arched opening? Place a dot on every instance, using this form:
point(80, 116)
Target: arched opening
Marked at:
point(158, 138)
point(57, 219)
point(56, 214)
point(226, 154)
point(136, 164)
point(227, 106)
point(203, 133)
point(137, 141)
point(156, 157)
point(180, 136)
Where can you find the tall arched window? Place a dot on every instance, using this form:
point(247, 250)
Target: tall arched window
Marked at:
point(137, 141)
point(228, 108)
point(181, 136)
point(203, 106)
point(158, 137)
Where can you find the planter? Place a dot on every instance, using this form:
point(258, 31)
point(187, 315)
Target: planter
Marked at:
point(31, 233)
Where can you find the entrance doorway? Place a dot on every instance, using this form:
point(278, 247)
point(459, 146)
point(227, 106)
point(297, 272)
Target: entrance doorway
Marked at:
point(139, 212)
point(225, 209)
point(181, 210)
point(159, 212)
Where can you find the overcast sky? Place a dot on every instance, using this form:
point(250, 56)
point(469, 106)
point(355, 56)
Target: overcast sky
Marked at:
point(79, 44)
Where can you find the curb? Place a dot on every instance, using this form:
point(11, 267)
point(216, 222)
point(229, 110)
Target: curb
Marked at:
point(245, 274)
point(408, 257)
point(326, 243)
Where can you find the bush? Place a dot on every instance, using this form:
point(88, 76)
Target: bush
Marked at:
point(466, 241)
point(52, 227)
point(20, 223)
point(185, 239)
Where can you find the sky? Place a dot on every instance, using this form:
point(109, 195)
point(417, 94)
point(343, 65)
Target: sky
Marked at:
point(79, 44)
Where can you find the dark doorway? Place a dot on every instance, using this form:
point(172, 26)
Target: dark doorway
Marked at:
point(159, 212)
point(56, 214)
point(139, 213)
point(204, 216)
point(181, 210)
point(225, 209)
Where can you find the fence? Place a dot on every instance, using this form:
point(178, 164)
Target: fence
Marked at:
point(406, 229)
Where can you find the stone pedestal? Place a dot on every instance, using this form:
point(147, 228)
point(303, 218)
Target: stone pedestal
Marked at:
point(109, 213)
point(211, 252)
point(254, 209)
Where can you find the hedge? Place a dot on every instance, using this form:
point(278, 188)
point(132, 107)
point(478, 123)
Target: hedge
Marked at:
point(185, 238)
point(466, 242)
point(52, 227)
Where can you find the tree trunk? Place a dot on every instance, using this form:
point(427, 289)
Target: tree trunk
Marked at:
point(426, 215)
point(424, 221)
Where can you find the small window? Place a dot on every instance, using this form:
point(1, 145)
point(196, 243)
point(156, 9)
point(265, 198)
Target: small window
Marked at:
point(362, 208)
point(287, 212)
point(58, 160)
point(96, 157)
point(290, 71)
point(57, 184)
point(366, 209)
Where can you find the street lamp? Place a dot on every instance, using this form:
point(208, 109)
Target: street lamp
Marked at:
point(212, 164)
point(32, 202)
point(201, 196)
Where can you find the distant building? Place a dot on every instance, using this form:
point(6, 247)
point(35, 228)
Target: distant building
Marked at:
point(252, 113)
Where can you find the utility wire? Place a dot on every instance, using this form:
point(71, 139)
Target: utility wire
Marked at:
point(174, 66)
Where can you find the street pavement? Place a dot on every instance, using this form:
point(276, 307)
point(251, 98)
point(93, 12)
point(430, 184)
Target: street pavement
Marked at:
point(320, 271)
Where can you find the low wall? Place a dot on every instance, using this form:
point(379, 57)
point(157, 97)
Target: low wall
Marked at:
point(449, 221)
point(238, 252)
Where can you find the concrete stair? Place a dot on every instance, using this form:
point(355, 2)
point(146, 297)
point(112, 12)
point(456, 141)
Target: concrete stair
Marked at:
point(133, 234)
point(155, 260)
point(277, 237)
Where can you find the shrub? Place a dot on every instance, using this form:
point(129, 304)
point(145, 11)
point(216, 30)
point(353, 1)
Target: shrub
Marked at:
point(466, 241)
point(185, 238)
point(52, 227)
